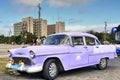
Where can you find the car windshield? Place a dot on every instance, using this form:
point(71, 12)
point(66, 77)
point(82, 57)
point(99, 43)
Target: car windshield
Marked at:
point(55, 40)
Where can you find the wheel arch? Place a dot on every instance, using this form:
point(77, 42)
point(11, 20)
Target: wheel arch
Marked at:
point(59, 64)
point(105, 58)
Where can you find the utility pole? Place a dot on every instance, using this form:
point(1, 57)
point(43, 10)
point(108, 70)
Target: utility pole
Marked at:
point(105, 36)
point(39, 21)
point(9, 35)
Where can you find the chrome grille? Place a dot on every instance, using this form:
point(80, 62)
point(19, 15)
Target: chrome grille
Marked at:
point(26, 61)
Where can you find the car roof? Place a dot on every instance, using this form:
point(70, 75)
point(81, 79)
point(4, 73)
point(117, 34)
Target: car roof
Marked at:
point(76, 34)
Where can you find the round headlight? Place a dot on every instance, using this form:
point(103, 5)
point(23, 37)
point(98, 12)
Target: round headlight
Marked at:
point(32, 54)
point(9, 54)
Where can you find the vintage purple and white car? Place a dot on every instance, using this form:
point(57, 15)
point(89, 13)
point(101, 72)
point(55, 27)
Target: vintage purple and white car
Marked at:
point(61, 52)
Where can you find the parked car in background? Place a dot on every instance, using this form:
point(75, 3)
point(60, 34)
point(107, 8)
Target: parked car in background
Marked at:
point(61, 52)
point(106, 42)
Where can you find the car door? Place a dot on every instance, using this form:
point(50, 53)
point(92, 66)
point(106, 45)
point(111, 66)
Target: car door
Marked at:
point(78, 52)
point(94, 48)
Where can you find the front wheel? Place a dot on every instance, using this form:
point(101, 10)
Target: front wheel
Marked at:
point(50, 70)
point(103, 64)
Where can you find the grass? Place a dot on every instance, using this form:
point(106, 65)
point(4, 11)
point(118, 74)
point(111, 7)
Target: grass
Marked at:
point(3, 62)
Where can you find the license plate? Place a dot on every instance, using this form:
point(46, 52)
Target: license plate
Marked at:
point(16, 67)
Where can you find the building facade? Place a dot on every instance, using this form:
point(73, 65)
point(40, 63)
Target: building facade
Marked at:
point(56, 28)
point(60, 27)
point(18, 28)
point(34, 26)
point(51, 29)
point(38, 27)
point(28, 24)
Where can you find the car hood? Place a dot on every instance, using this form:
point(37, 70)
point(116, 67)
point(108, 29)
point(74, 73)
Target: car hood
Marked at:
point(42, 50)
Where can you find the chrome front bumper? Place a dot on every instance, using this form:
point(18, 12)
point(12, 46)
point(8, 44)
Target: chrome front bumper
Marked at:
point(28, 69)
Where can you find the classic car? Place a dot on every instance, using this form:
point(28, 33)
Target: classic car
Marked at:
point(61, 52)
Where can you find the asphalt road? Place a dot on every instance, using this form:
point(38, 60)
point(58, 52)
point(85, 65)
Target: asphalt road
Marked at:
point(86, 73)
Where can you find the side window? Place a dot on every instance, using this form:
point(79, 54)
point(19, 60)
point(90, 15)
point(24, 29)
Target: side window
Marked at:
point(77, 40)
point(65, 41)
point(90, 41)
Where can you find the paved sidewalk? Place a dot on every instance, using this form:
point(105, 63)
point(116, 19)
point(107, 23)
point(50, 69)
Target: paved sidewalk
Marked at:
point(4, 48)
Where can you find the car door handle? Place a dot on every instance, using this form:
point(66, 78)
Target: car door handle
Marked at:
point(85, 46)
point(97, 46)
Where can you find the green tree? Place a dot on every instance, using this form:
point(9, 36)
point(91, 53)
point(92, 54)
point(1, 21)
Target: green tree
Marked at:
point(30, 37)
point(100, 35)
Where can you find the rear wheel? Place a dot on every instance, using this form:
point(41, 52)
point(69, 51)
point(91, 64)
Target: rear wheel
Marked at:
point(50, 70)
point(103, 64)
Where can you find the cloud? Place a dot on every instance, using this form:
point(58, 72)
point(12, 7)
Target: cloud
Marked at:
point(67, 3)
point(24, 6)
point(96, 28)
point(72, 20)
point(4, 30)
point(21, 9)
point(28, 2)
point(58, 3)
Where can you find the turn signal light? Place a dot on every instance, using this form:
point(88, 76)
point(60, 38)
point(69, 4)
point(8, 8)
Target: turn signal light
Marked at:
point(12, 62)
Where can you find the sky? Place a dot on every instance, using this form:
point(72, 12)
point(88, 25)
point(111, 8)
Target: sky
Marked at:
point(78, 15)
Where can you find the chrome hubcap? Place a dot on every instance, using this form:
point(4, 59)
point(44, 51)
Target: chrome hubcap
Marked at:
point(52, 69)
point(103, 62)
